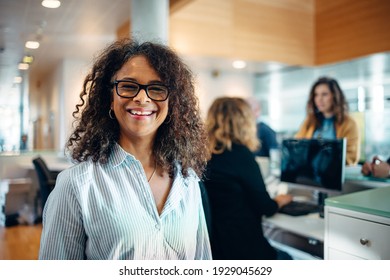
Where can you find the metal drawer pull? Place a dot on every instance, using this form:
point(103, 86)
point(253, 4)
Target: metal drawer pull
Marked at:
point(364, 241)
point(312, 241)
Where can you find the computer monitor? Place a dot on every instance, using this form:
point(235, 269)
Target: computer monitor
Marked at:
point(318, 163)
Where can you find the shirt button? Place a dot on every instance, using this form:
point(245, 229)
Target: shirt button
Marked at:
point(158, 226)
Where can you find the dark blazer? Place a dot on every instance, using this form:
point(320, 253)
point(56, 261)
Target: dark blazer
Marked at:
point(267, 137)
point(238, 200)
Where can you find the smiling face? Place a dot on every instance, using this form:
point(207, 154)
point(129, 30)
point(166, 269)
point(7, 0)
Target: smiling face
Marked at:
point(138, 117)
point(323, 100)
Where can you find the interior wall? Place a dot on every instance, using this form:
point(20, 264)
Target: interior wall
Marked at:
point(74, 72)
point(43, 96)
point(213, 84)
point(347, 29)
point(366, 86)
point(53, 101)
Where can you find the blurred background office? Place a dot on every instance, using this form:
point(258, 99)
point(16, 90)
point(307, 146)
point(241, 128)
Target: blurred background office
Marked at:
point(272, 50)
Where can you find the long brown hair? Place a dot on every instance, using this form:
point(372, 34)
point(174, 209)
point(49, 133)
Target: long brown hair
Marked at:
point(340, 105)
point(180, 139)
point(231, 120)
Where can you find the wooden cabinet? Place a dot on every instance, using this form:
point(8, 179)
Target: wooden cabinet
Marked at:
point(353, 234)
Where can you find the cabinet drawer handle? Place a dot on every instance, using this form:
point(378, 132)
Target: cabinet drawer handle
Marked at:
point(364, 241)
point(312, 241)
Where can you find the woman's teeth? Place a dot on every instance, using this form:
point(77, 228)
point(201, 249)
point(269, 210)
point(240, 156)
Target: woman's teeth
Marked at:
point(139, 113)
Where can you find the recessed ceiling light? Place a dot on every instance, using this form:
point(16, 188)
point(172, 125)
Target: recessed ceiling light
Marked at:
point(239, 64)
point(23, 66)
point(32, 44)
point(52, 4)
point(28, 59)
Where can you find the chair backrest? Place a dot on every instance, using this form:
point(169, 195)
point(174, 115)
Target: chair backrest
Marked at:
point(46, 182)
point(43, 171)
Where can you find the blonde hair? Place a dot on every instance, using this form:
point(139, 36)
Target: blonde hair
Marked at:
point(231, 120)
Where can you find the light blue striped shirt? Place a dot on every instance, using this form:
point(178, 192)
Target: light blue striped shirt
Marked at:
point(107, 211)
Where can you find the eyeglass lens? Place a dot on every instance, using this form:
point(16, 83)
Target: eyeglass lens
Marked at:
point(129, 89)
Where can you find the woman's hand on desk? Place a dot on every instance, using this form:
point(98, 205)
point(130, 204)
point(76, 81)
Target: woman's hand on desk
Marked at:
point(283, 199)
point(377, 168)
point(380, 169)
point(366, 168)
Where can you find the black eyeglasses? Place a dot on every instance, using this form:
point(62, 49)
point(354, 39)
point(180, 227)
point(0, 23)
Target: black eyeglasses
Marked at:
point(130, 89)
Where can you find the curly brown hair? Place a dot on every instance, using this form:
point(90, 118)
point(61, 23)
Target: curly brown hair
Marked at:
point(180, 139)
point(231, 120)
point(340, 105)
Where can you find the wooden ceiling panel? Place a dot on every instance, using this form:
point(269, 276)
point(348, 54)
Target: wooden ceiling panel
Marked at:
point(202, 28)
point(247, 29)
point(347, 29)
point(296, 32)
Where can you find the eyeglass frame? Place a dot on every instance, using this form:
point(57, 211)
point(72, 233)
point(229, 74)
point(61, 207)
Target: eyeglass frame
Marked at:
point(141, 86)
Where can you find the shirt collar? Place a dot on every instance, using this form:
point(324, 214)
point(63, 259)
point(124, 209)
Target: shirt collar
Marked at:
point(119, 155)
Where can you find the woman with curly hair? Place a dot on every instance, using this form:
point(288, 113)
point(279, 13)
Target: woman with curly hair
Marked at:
point(141, 148)
point(327, 117)
point(237, 194)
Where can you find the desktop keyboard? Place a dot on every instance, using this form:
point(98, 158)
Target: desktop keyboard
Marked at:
point(299, 208)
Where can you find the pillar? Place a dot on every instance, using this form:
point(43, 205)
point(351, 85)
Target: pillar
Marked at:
point(149, 20)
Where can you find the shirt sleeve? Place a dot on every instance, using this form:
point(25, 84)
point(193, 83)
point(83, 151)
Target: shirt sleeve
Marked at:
point(350, 130)
point(304, 131)
point(267, 138)
point(271, 138)
point(63, 236)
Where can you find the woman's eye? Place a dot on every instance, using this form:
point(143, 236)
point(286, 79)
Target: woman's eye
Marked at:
point(129, 87)
point(156, 89)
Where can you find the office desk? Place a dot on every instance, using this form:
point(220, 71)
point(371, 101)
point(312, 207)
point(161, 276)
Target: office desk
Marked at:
point(355, 181)
point(15, 195)
point(307, 233)
point(19, 183)
point(310, 226)
point(357, 225)
point(300, 235)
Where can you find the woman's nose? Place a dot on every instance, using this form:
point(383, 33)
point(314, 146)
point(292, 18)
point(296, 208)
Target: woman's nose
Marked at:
point(141, 97)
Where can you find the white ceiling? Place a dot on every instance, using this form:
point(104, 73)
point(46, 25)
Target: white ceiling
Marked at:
point(78, 29)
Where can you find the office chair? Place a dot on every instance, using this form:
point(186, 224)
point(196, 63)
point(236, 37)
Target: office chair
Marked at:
point(46, 179)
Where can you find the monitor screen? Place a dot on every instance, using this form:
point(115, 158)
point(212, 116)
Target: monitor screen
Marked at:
point(317, 163)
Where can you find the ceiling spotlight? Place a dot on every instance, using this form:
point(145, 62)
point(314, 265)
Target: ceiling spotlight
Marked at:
point(239, 64)
point(28, 59)
point(32, 44)
point(23, 66)
point(52, 4)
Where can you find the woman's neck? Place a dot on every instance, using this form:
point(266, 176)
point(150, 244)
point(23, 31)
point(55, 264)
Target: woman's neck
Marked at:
point(140, 149)
point(328, 115)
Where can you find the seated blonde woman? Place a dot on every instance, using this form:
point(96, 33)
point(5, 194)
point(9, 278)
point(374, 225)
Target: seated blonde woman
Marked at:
point(237, 194)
